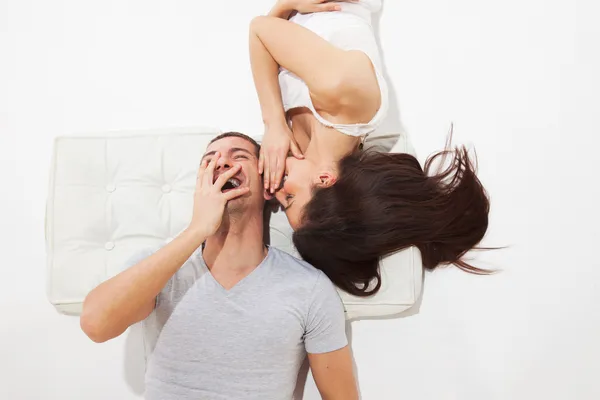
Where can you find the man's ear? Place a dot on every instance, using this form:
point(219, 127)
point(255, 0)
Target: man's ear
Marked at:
point(267, 195)
point(325, 179)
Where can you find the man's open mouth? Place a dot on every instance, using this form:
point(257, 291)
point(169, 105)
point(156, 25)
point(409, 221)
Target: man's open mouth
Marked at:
point(232, 183)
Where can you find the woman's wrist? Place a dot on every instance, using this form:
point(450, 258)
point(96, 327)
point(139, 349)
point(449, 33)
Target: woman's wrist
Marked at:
point(275, 122)
point(282, 9)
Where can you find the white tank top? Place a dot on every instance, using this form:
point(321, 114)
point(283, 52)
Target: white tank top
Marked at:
point(348, 29)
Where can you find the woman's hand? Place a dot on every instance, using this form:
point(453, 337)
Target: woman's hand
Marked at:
point(209, 201)
point(310, 6)
point(277, 142)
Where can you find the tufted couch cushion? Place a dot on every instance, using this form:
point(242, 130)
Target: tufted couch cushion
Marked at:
point(113, 195)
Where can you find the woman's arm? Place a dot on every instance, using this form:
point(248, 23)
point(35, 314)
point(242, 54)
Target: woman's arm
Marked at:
point(342, 84)
point(278, 139)
point(284, 8)
point(265, 68)
point(335, 77)
point(265, 72)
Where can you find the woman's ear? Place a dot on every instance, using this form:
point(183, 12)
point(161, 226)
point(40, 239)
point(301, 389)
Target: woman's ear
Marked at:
point(325, 179)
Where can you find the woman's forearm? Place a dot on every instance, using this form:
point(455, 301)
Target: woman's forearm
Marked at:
point(265, 72)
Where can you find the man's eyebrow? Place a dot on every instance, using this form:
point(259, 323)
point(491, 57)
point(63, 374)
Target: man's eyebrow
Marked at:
point(210, 153)
point(232, 150)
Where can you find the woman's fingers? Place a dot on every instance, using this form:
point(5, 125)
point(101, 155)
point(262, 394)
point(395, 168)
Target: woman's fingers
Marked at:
point(280, 171)
point(328, 7)
point(261, 162)
point(225, 176)
point(234, 193)
point(296, 152)
point(272, 171)
point(332, 5)
point(275, 173)
point(266, 173)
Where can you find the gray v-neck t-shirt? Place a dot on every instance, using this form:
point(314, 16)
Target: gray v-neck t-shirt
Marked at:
point(205, 342)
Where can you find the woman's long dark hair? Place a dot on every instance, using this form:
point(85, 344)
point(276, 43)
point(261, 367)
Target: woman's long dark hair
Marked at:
point(385, 202)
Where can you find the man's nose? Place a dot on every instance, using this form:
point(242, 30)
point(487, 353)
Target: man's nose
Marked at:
point(223, 163)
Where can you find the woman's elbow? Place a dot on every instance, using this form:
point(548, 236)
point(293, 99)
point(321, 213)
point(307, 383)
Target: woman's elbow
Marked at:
point(258, 23)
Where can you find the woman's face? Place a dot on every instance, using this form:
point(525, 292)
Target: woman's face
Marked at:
point(299, 179)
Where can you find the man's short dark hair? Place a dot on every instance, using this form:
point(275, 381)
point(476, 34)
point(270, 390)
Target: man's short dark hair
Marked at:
point(240, 135)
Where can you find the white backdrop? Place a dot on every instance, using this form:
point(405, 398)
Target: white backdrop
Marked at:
point(518, 78)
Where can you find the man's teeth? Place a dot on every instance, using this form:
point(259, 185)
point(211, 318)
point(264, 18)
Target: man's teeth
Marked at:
point(234, 182)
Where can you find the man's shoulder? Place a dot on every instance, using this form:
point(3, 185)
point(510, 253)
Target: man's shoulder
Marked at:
point(293, 262)
point(294, 268)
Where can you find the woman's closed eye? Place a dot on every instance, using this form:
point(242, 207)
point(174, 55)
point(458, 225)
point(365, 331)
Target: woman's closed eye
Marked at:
point(288, 201)
point(241, 156)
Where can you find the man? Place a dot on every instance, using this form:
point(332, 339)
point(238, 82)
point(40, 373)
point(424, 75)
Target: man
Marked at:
point(234, 319)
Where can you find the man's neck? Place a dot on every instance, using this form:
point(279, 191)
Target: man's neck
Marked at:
point(238, 245)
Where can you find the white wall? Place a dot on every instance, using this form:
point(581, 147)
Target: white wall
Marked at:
point(519, 79)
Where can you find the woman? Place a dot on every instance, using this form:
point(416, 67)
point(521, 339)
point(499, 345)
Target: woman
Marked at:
point(317, 72)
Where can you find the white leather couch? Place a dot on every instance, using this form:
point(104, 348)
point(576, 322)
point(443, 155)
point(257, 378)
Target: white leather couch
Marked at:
point(112, 195)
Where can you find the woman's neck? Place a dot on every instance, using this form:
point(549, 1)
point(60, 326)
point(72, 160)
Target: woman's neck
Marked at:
point(320, 143)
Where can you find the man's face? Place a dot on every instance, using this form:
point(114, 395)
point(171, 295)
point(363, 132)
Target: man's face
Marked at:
point(234, 151)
